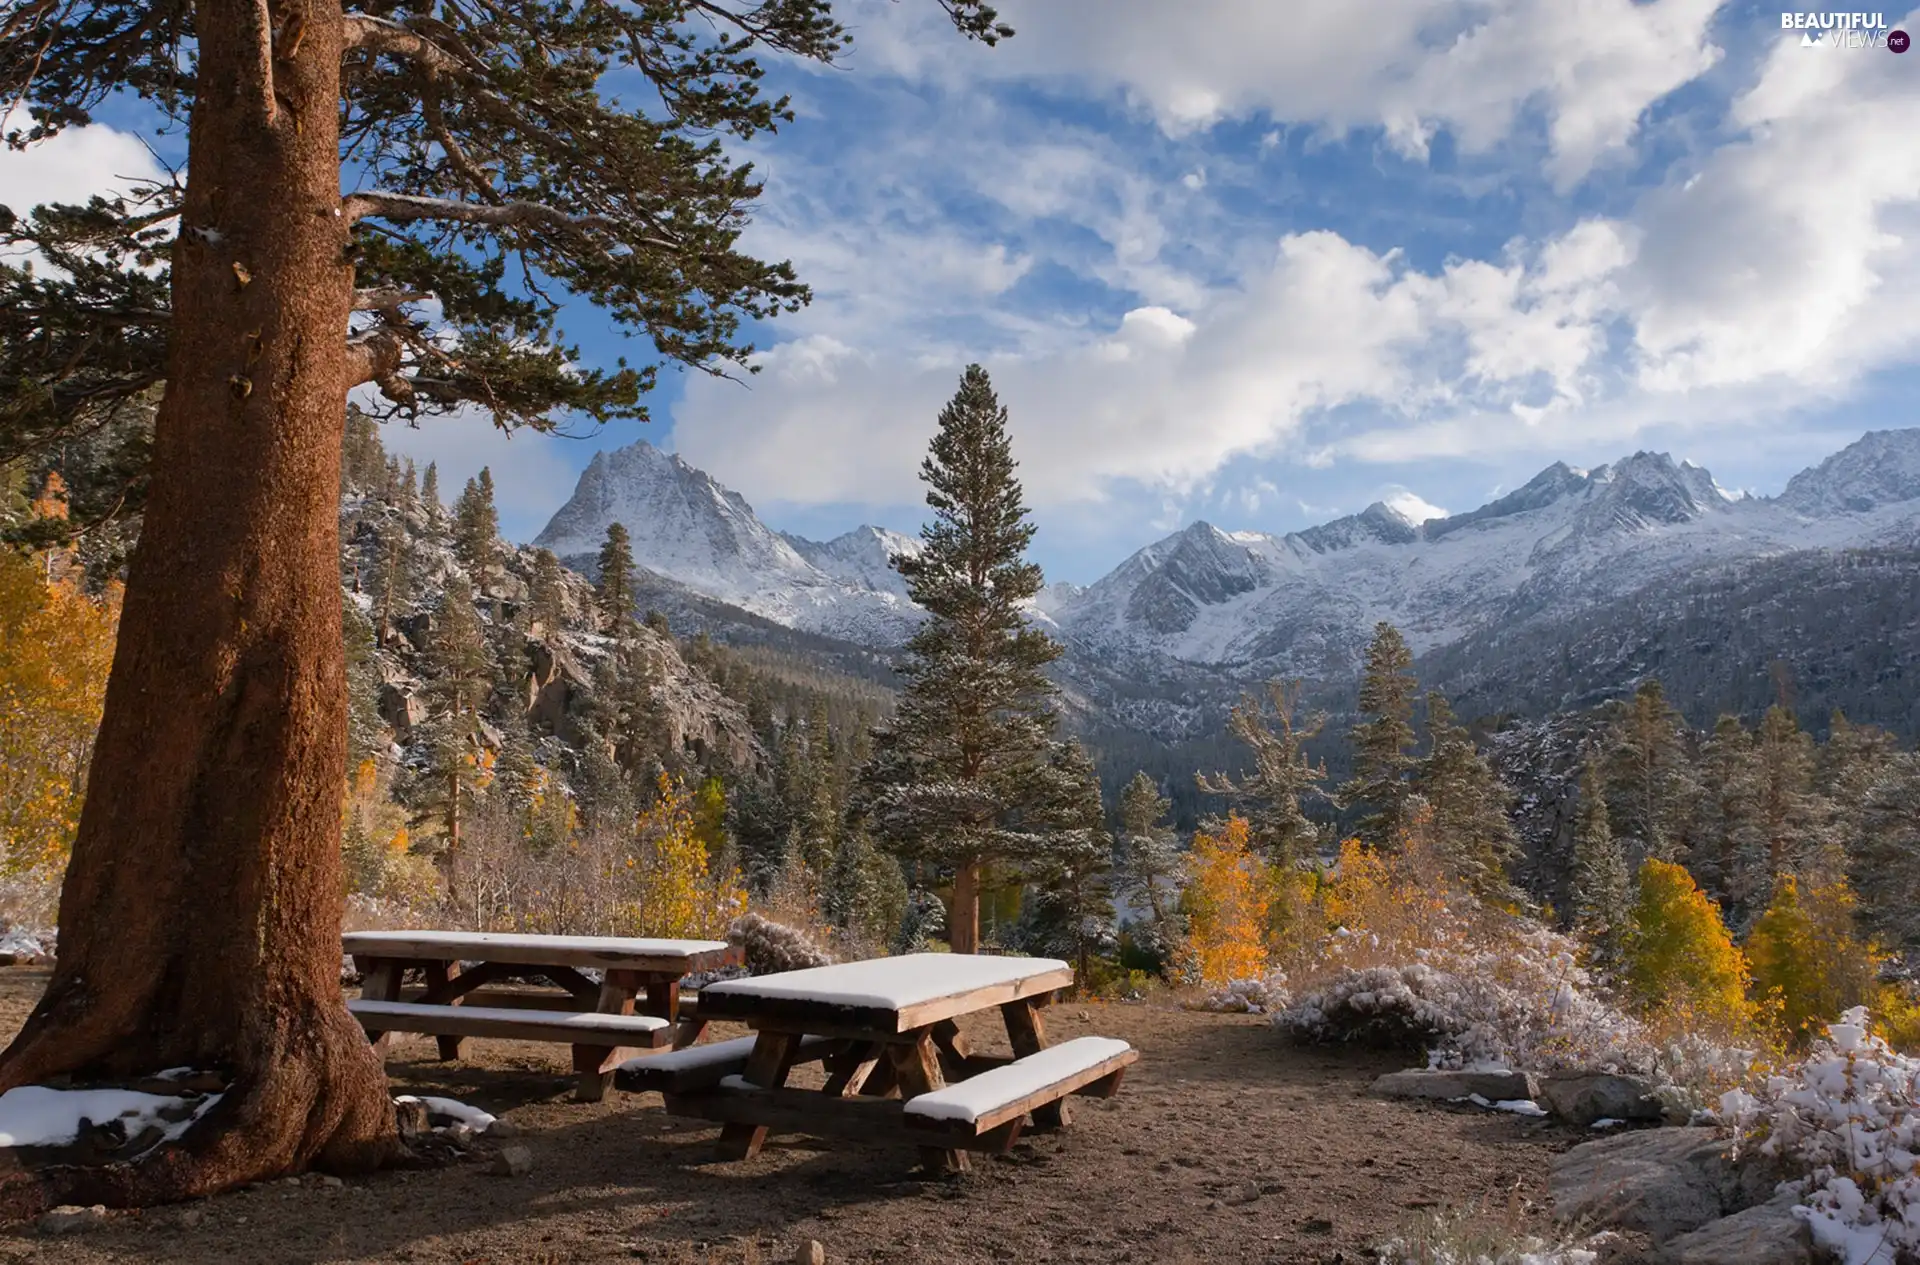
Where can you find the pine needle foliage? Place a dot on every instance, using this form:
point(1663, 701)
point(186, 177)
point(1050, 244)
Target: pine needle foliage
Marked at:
point(1270, 796)
point(960, 776)
point(1383, 760)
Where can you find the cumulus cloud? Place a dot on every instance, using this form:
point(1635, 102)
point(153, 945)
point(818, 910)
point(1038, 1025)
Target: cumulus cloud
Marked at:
point(1409, 67)
point(72, 166)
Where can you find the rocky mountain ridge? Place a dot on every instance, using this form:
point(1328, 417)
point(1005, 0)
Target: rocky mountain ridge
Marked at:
point(1210, 603)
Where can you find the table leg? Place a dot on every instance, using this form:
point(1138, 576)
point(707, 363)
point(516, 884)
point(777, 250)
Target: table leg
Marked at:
point(1027, 1033)
point(848, 1071)
point(594, 1064)
point(440, 979)
point(955, 1053)
point(379, 981)
point(917, 1067)
point(767, 1067)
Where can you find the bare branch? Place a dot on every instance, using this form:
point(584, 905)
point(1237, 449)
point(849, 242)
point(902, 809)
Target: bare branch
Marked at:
point(382, 35)
point(376, 356)
point(402, 207)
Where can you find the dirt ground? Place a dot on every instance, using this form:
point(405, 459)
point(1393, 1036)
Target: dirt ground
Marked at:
point(1226, 1144)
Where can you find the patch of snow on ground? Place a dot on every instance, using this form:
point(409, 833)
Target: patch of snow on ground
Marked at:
point(34, 1115)
point(453, 1110)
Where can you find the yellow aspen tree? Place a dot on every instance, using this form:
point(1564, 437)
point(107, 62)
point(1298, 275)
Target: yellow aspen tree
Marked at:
point(1681, 964)
point(56, 646)
point(671, 890)
point(1226, 905)
point(1808, 965)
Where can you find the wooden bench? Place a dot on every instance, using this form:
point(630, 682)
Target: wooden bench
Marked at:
point(994, 1104)
point(518, 998)
point(513, 1024)
point(633, 1005)
point(983, 1113)
point(704, 1066)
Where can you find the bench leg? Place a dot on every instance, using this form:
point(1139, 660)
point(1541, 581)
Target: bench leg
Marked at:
point(917, 1068)
point(1027, 1033)
point(595, 1063)
point(440, 979)
point(767, 1066)
point(688, 1032)
point(379, 981)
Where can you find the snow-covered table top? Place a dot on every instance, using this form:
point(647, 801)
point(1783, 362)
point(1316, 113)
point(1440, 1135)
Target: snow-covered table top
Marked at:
point(895, 994)
point(606, 952)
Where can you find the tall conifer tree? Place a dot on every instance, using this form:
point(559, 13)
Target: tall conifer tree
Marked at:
point(1602, 884)
point(1383, 758)
point(1468, 802)
point(476, 524)
point(1269, 796)
point(960, 776)
point(615, 589)
point(1149, 866)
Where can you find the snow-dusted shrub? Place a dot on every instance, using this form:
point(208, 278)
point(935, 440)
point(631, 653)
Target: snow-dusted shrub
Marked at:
point(1246, 996)
point(1848, 1118)
point(1518, 999)
point(1472, 1236)
point(774, 946)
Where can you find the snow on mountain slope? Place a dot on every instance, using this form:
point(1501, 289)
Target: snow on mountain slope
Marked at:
point(1249, 603)
point(862, 557)
point(1307, 601)
point(688, 528)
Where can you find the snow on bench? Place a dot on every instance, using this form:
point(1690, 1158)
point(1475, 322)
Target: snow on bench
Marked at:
point(586, 1028)
point(983, 1103)
point(702, 1066)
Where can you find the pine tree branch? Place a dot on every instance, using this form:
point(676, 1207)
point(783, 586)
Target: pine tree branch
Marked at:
point(383, 35)
point(405, 207)
point(386, 298)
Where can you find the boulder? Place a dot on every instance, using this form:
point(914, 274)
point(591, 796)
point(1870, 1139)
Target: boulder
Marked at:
point(1426, 1083)
point(72, 1218)
point(1765, 1234)
point(513, 1161)
point(401, 708)
point(1585, 1099)
point(1661, 1182)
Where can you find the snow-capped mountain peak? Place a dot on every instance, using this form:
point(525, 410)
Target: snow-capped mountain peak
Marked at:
point(688, 528)
point(1882, 468)
point(1253, 603)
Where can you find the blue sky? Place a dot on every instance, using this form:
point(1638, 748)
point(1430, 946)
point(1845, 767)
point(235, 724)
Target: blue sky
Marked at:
point(1264, 263)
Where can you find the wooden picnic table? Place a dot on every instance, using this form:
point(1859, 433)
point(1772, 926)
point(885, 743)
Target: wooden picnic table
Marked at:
point(897, 1064)
point(634, 1006)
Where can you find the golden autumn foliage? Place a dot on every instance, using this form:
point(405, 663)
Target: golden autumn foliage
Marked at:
point(1227, 906)
point(56, 647)
point(1392, 905)
point(1807, 963)
point(1682, 966)
point(670, 887)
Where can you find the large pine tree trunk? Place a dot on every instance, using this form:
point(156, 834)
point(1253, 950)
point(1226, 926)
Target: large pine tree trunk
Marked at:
point(963, 923)
point(200, 918)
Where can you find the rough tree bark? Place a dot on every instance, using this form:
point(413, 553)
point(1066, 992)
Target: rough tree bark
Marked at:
point(963, 924)
point(200, 918)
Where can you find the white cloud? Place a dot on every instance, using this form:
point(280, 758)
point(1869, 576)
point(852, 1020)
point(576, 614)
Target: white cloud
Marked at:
point(1411, 506)
point(1410, 67)
point(72, 166)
